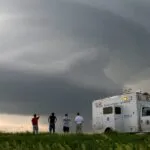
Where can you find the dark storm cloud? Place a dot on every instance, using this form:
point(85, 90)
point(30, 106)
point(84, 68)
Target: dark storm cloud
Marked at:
point(61, 55)
point(24, 93)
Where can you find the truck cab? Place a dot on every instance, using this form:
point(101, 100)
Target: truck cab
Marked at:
point(145, 118)
point(144, 111)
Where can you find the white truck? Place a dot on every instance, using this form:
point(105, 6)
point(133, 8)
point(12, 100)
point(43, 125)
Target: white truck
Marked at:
point(129, 112)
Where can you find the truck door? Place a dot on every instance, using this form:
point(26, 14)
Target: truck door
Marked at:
point(118, 118)
point(108, 117)
point(145, 119)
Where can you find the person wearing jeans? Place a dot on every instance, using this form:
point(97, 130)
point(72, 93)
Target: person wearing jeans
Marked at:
point(52, 120)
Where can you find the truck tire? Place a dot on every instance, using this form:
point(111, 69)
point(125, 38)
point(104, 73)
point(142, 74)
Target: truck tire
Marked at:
point(108, 131)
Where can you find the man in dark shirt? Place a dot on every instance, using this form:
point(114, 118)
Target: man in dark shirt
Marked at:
point(52, 120)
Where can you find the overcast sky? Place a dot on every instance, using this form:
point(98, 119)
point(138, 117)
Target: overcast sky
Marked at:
point(60, 55)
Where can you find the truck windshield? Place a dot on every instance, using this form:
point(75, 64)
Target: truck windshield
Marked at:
point(146, 111)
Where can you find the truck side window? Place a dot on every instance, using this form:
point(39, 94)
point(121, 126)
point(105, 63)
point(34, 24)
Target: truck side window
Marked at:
point(146, 111)
point(107, 110)
point(117, 110)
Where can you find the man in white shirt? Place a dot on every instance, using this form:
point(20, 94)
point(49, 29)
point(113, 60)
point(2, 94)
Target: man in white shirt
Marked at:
point(79, 123)
point(66, 122)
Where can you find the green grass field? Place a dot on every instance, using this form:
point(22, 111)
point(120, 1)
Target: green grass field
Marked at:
point(43, 141)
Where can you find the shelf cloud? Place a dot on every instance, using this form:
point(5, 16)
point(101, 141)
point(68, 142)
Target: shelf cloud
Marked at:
point(60, 55)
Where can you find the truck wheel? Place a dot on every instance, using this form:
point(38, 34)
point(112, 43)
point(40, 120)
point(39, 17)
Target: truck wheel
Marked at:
point(108, 131)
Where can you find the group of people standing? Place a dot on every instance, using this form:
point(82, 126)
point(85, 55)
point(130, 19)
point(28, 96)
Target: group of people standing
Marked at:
point(52, 119)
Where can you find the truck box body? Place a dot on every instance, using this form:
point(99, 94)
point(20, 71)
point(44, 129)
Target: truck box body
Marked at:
point(123, 113)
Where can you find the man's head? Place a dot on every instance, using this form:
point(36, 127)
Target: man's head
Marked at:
point(53, 114)
point(78, 114)
point(34, 115)
point(66, 115)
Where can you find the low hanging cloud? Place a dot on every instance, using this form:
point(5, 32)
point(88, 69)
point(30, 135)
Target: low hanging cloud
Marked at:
point(61, 55)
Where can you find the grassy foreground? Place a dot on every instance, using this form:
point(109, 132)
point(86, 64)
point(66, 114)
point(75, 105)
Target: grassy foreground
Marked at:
point(27, 141)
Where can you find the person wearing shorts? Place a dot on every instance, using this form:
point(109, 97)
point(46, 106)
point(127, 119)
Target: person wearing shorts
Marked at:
point(66, 122)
